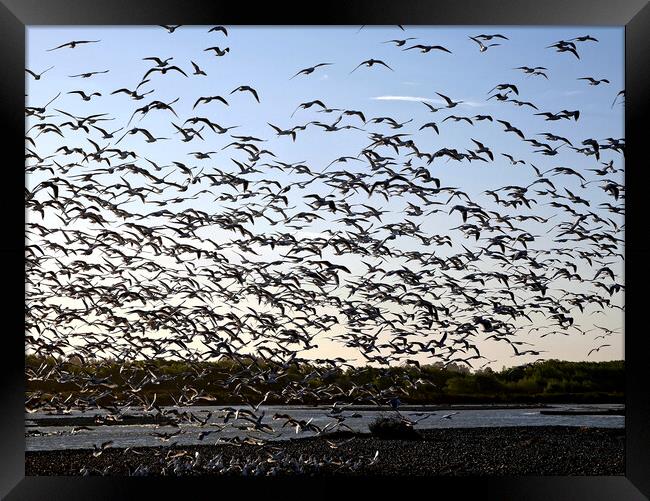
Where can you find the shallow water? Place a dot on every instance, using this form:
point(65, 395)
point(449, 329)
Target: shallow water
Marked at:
point(61, 437)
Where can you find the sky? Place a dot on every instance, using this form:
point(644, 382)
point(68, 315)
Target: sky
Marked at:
point(267, 57)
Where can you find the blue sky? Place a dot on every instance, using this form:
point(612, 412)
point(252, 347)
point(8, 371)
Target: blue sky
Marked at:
point(266, 57)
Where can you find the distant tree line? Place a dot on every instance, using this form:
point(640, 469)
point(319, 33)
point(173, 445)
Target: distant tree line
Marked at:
point(549, 381)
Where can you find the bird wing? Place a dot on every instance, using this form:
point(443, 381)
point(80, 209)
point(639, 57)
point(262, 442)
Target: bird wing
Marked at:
point(449, 101)
point(59, 47)
point(177, 69)
point(150, 71)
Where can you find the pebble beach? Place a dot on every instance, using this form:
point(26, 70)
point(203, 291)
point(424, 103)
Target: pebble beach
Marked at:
point(506, 451)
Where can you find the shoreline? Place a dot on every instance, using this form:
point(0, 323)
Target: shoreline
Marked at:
point(550, 450)
point(151, 418)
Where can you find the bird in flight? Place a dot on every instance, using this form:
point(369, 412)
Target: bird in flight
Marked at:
point(218, 51)
point(371, 62)
point(164, 71)
point(222, 29)
point(584, 38)
point(161, 62)
point(400, 43)
point(490, 37)
point(246, 88)
point(505, 86)
point(450, 102)
point(594, 81)
point(171, 28)
point(428, 48)
point(84, 96)
point(481, 46)
point(310, 70)
point(73, 44)
point(37, 76)
point(209, 99)
point(89, 74)
point(598, 348)
point(197, 70)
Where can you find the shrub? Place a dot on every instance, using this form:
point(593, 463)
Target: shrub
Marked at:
point(393, 427)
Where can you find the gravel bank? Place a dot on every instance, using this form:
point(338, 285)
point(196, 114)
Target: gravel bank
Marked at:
point(455, 451)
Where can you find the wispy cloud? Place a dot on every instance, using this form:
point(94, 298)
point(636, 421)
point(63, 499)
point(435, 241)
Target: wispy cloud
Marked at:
point(406, 98)
point(472, 104)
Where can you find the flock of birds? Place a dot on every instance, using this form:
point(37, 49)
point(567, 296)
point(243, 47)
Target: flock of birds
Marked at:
point(116, 269)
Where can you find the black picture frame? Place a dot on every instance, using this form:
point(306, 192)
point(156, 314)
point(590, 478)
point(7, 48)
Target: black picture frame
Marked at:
point(15, 15)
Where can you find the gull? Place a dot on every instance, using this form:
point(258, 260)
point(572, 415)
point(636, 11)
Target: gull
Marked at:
point(164, 71)
point(197, 70)
point(483, 149)
point(598, 348)
point(371, 62)
point(505, 86)
point(334, 445)
point(281, 132)
point(171, 28)
point(246, 88)
point(432, 108)
point(512, 159)
point(209, 99)
point(563, 46)
point(83, 95)
point(500, 97)
point(481, 46)
point(310, 70)
point(73, 44)
point(584, 39)
point(160, 62)
point(98, 450)
point(106, 134)
point(214, 126)
point(523, 103)
point(134, 93)
point(400, 43)
point(222, 29)
point(510, 128)
point(450, 103)
point(89, 74)
point(355, 113)
point(37, 76)
point(537, 70)
point(309, 104)
point(448, 416)
point(621, 93)
point(165, 437)
point(490, 37)
point(457, 119)
point(218, 51)
point(145, 132)
point(202, 155)
point(431, 125)
point(428, 48)
point(593, 81)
